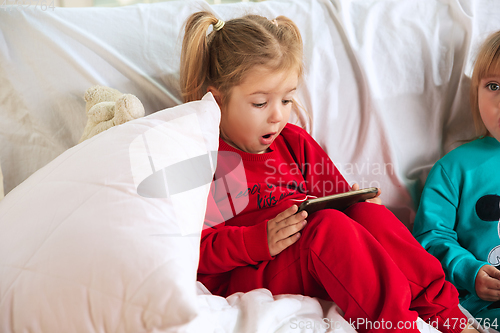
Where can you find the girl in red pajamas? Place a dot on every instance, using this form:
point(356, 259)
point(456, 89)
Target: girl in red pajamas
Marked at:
point(363, 259)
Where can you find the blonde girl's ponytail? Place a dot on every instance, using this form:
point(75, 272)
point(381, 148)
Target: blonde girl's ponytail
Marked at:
point(195, 56)
point(287, 26)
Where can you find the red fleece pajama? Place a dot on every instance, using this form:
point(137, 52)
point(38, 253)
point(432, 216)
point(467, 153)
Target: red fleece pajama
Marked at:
point(364, 259)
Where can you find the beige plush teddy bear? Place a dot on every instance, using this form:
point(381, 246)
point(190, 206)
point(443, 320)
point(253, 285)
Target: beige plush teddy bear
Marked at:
point(107, 107)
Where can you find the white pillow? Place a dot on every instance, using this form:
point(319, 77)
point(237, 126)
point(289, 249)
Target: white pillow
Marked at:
point(82, 251)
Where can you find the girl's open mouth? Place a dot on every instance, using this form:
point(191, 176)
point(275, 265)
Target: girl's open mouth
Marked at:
point(267, 139)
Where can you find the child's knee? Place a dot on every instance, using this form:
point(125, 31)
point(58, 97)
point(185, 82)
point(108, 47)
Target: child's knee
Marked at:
point(333, 233)
point(329, 224)
point(328, 214)
point(372, 215)
point(364, 208)
point(379, 221)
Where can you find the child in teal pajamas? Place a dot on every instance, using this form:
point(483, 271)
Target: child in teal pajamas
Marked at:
point(458, 217)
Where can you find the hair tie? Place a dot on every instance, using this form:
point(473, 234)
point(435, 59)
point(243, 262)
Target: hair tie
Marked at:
point(219, 25)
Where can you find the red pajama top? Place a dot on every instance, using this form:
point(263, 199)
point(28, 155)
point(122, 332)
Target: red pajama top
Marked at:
point(250, 189)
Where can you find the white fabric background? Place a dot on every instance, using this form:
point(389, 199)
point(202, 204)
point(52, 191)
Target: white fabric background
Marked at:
point(386, 82)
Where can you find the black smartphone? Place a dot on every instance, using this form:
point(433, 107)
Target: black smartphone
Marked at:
point(337, 201)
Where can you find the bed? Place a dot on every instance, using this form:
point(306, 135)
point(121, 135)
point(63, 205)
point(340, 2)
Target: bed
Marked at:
point(386, 83)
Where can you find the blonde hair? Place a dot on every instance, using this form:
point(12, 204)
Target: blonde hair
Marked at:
point(222, 58)
point(487, 63)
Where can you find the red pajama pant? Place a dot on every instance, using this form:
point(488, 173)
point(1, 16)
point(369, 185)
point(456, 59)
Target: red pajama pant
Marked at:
point(369, 264)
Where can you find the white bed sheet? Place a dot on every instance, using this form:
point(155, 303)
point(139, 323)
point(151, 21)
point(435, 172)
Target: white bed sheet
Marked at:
point(282, 314)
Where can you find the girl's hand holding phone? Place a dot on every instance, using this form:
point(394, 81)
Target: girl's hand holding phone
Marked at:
point(375, 200)
point(283, 230)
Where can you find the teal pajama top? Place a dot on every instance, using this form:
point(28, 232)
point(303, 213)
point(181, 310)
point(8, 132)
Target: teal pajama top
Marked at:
point(458, 217)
